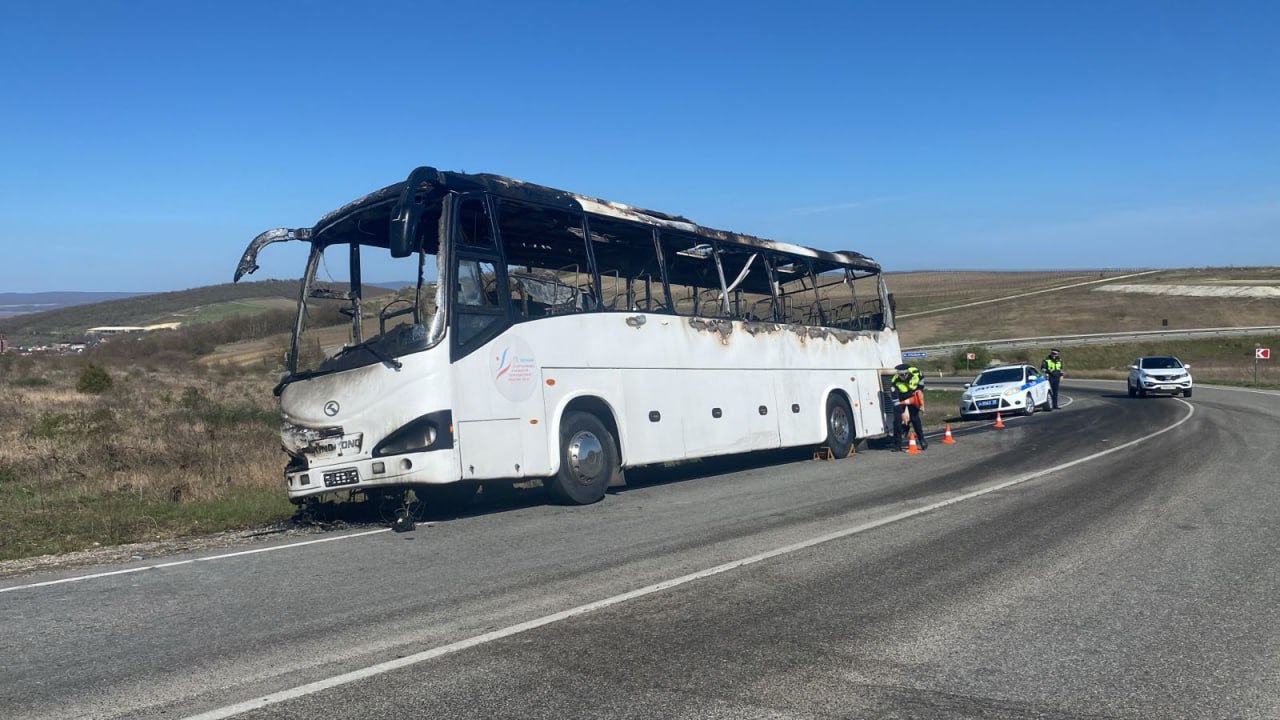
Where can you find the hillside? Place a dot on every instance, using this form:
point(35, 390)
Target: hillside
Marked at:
point(12, 303)
point(203, 304)
point(951, 307)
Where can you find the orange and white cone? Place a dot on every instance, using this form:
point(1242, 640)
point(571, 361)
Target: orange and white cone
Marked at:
point(946, 437)
point(912, 448)
point(999, 422)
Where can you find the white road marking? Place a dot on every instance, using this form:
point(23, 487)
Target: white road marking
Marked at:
point(176, 563)
point(386, 667)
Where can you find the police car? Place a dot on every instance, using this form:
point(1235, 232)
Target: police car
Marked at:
point(1006, 389)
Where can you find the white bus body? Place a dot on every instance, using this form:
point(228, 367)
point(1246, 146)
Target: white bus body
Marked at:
point(511, 364)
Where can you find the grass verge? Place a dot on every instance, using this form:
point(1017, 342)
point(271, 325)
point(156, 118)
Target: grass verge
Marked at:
point(156, 454)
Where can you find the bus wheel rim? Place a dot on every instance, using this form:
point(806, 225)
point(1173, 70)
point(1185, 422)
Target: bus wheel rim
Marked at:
point(839, 425)
point(586, 457)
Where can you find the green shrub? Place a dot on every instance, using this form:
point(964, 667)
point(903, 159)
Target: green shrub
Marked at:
point(93, 379)
point(192, 398)
point(48, 426)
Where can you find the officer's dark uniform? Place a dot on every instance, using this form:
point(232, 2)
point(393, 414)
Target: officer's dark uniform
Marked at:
point(904, 384)
point(1052, 367)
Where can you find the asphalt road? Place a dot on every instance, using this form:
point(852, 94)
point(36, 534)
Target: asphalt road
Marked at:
point(1017, 573)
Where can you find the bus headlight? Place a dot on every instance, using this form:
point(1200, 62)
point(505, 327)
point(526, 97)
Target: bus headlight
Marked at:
point(429, 432)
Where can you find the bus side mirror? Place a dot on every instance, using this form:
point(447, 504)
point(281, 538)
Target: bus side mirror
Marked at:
point(407, 213)
point(893, 304)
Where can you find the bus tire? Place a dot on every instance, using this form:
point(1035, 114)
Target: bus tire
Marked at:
point(588, 460)
point(840, 430)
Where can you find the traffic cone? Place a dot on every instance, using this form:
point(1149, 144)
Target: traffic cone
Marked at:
point(946, 437)
point(912, 448)
point(999, 422)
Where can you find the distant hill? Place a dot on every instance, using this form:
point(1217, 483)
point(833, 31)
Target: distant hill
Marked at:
point(202, 304)
point(12, 303)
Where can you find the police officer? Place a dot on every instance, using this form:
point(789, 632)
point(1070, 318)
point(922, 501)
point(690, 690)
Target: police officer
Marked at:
point(1052, 368)
point(908, 385)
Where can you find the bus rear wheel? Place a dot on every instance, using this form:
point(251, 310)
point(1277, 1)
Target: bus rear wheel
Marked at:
point(588, 460)
point(839, 426)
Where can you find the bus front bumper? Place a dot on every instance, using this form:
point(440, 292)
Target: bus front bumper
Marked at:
point(422, 468)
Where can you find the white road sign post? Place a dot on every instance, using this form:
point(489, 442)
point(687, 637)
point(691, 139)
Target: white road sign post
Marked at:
point(1259, 353)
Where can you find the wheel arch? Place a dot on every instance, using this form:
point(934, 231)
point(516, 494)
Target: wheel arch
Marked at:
point(594, 405)
point(855, 417)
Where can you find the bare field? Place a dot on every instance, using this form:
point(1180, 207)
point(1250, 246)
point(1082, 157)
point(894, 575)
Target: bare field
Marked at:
point(1082, 310)
point(232, 308)
point(923, 291)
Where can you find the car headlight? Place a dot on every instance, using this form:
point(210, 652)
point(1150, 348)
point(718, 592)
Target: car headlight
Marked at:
point(1011, 391)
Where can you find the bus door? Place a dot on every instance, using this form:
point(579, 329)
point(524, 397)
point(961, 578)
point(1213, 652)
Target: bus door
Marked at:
point(486, 422)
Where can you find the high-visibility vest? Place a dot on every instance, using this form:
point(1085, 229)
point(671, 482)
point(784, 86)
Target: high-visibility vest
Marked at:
point(910, 384)
point(1050, 364)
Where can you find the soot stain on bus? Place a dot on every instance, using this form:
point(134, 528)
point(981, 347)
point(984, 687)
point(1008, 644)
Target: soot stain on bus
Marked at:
point(538, 344)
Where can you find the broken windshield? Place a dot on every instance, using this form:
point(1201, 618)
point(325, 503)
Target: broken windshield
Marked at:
point(347, 322)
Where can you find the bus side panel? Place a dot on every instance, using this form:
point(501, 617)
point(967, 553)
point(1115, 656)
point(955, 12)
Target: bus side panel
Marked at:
point(498, 411)
point(801, 407)
point(651, 431)
point(490, 449)
point(870, 414)
point(720, 412)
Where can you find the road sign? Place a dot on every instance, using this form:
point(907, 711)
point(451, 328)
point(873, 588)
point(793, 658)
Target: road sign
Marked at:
point(1262, 353)
point(971, 356)
point(914, 354)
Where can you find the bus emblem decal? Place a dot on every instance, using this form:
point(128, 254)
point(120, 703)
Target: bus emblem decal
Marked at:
point(331, 408)
point(503, 364)
point(514, 370)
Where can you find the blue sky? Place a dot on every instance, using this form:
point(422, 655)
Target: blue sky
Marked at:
point(144, 143)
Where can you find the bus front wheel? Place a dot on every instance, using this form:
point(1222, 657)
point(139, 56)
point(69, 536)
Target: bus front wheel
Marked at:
point(839, 426)
point(588, 460)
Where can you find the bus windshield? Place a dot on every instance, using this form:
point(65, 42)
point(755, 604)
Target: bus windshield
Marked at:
point(345, 323)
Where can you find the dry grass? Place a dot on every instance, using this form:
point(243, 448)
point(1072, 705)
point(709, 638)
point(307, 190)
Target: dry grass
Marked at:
point(160, 454)
point(1083, 310)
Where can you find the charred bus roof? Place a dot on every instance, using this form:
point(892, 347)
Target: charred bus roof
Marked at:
point(372, 216)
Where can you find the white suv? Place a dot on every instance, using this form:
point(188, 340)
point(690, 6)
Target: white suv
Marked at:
point(1159, 374)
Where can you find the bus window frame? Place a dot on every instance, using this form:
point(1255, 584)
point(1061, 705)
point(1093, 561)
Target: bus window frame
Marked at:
point(459, 346)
